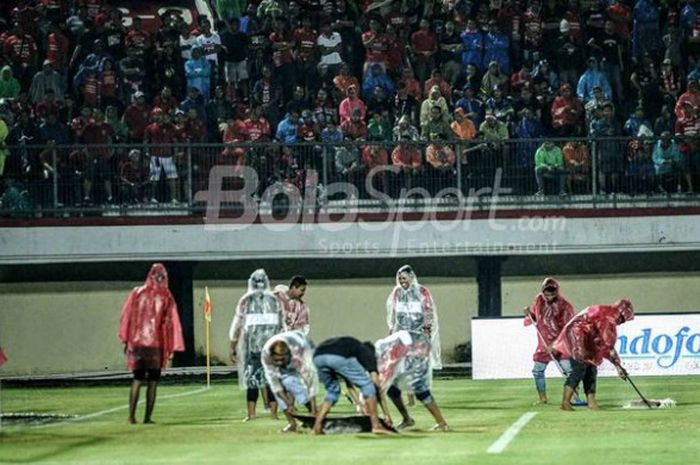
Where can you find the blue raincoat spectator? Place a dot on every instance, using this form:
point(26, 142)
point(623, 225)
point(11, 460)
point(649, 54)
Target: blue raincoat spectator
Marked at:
point(288, 129)
point(473, 108)
point(635, 122)
point(667, 157)
point(473, 43)
point(496, 46)
point(529, 127)
point(198, 72)
point(645, 29)
point(377, 78)
point(591, 79)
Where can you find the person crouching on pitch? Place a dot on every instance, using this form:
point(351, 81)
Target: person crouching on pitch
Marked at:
point(588, 339)
point(150, 330)
point(550, 312)
point(287, 359)
point(403, 359)
point(346, 357)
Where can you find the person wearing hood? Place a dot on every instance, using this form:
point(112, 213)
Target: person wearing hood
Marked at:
point(44, 80)
point(350, 103)
point(9, 85)
point(636, 123)
point(587, 339)
point(472, 45)
point(591, 78)
point(258, 317)
point(496, 46)
point(403, 361)
point(550, 311)
point(150, 330)
point(567, 113)
point(435, 98)
point(198, 72)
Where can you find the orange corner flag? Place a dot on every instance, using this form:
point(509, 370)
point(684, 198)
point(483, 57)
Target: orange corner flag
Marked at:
point(207, 305)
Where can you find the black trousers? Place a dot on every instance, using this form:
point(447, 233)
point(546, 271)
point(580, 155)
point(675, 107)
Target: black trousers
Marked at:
point(582, 372)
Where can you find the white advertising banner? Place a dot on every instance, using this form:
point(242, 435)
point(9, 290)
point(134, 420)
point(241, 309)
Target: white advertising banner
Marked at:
point(649, 345)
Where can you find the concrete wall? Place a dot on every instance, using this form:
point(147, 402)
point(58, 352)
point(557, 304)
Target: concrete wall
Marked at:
point(72, 327)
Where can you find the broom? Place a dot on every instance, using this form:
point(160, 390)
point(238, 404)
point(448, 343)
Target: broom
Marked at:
point(650, 403)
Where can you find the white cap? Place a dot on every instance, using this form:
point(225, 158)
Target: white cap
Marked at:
point(564, 26)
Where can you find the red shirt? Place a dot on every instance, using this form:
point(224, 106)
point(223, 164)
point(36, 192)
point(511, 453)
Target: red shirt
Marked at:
point(91, 91)
point(423, 41)
point(256, 130)
point(370, 161)
point(58, 47)
point(354, 129)
point(195, 130)
point(157, 134)
point(281, 57)
point(165, 105)
point(305, 43)
point(21, 50)
point(43, 108)
point(136, 119)
point(98, 134)
point(376, 52)
point(138, 39)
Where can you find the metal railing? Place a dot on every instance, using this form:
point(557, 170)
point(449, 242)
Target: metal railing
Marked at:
point(40, 181)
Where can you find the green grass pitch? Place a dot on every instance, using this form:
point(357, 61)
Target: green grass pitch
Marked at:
point(205, 428)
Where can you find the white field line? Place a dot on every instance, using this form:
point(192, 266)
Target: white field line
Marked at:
point(505, 439)
point(116, 409)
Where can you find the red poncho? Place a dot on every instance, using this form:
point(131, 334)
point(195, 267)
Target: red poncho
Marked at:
point(550, 319)
point(3, 359)
point(590, 336)
point(150, 319)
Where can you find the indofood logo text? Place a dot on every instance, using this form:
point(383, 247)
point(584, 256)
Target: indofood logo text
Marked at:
point(667, 349)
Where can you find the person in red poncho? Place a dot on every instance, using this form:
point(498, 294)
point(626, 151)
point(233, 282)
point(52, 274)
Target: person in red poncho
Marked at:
point(550, 312)
point(150, 330)
point(588, 339)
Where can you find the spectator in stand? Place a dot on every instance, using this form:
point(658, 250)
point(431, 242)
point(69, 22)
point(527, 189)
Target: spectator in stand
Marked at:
point(288, 128)
point(670, 81)
point(354, 128)
point(667, 163)
point(608, 48)
point(139, 40)
point(637, 124)
point(610, 157)
point(198, 71)
point(46, 79)
point(377, 77)
point(645, 33)
point(567, 113)
point(268, 95)
point(158, 136)
point(97, 136)
point(379, 128)
point(195, 100)
point(299, 102)
point(665, 122)
point(424, 46)
point(435, 98)
point(492, 78)
point(501, 106)
point(378, 102)
point(549, 162)
point(640, 167)
point(374, 158)
point(496, 47)
point(375, 43)
point(133, 71)
point(590, 79)
point(350, 103)
point(133, 176)
point(493, 153)
point(305, 38)
point(439, 156)
point(568, 54)
point(595, 104)
point(436, 79)
point(473, 108)
point(22, 53)
point(577, 161)
point(324, 110)
point(412, 85)
point(121, 132)
point(219, 112)
point(47, 105)
point(544, 75)
point(210, 42)
point(58, 47)
point(450, 53)
point(404, 103)
point(406, 155)
point(521, 78)
point(136, 117)
point(283, 58)
point(472, 45)
point(9, 85)
point(330, 45)
point(234, 53)
point(528, 128)
point(692, 96)
point(343, 80)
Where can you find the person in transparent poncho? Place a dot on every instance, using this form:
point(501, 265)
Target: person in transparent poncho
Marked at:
point(403, 361)
point(258, 317)
point(287, 359)
point(410, 307)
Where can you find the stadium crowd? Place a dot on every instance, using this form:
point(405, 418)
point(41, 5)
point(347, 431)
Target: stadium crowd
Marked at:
point(420, 85)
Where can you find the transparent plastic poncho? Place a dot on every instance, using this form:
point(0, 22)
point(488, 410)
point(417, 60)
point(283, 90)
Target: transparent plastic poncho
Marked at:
point(299, 364)
point(258, 317)
point(412, 309)
point(403, 360)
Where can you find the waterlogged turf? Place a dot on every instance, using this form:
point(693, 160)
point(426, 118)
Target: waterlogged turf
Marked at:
point(197, 426)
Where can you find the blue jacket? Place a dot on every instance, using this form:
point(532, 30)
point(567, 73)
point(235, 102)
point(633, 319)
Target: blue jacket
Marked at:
point(471, 106)
point(473, 48)
point(287, 131)
point(633, 124)
point(660, 155)
point(198, 72)
point(496, 48)
point(527, 128)
point(382, 81)
point(645, 28)
point(590, 79)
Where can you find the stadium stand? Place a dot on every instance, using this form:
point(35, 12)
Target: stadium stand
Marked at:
point(100, 109)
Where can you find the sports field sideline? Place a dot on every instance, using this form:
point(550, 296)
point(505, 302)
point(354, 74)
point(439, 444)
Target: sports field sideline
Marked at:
point(200, 426)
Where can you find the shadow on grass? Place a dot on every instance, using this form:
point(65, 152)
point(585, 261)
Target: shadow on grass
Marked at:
point(66, 445)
